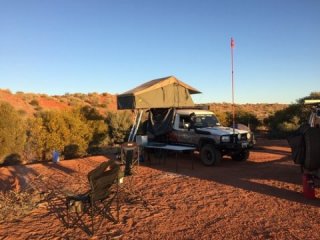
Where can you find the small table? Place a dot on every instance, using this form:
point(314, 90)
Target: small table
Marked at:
point(169, 147)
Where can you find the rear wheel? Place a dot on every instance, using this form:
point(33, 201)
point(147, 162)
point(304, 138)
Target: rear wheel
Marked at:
point(209, 155)
point(241, 156)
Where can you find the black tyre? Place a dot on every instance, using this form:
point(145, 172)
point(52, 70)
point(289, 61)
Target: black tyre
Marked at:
point(209, 155)
point(241, 156)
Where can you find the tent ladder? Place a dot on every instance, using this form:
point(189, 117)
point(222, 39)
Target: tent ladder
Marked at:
point(135, 126)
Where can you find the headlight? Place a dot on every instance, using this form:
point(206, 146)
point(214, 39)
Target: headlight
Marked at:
point(239, 136)
point(248, 136)
point(225, 139)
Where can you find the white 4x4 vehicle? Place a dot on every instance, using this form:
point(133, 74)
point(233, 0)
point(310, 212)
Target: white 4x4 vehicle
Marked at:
point(201, 128)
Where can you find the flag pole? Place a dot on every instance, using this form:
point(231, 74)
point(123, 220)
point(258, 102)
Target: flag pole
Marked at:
point(232, 78)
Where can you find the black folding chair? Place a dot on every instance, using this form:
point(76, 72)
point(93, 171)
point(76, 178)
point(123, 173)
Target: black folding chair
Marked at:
point(103, 182)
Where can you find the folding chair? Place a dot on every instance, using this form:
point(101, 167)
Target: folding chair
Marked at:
point(97, 201)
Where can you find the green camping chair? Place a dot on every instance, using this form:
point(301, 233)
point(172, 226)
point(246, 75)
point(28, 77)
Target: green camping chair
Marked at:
point(98, 200)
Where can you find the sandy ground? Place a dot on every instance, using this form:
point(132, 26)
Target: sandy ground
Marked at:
point(257, 199)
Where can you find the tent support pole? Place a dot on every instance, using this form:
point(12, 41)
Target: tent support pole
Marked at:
point(132, 128)
point(135, 126)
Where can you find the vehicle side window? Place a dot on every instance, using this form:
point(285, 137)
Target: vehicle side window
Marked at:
point(184, 121)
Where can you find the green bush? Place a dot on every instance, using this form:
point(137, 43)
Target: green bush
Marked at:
point(222, 117)
point(69, 132)
point(285, 121)
point(12, 131)
point(119, 124)
point(62, 129)
point(55, 131)
point(36, 138)
point(22, 112)
point(243, 117)
point(34, 102)
point(90, 113)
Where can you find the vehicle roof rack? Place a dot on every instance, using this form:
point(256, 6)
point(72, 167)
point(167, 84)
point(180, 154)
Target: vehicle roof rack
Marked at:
point(202, 106)
point(312, 101)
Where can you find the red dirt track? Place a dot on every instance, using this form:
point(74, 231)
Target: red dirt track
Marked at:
point(257, 199)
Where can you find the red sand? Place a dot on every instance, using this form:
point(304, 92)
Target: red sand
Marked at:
point(257, 199)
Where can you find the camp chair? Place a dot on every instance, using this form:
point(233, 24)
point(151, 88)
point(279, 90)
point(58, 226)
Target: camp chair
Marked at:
point(98, 200)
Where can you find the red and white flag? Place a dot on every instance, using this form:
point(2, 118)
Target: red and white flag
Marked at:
point(232, 43)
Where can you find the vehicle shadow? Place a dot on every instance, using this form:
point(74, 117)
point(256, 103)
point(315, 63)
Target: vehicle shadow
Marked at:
point(276, 177)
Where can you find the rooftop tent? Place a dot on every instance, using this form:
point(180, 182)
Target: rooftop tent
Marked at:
point(166, 92)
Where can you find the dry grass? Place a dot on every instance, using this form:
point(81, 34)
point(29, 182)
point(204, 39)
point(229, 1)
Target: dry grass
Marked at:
point(16, 204)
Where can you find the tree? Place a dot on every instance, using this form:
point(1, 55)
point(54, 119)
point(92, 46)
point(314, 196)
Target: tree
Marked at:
point(36, 138)
point(285, 121)
point(12, 132)
point(222, 117)
point(243, 117)
point(56, 132)
point(79, 134)
point(66, 132)
point(118, 125)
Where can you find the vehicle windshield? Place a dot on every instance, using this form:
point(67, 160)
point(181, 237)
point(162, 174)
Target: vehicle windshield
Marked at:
point(201, 121)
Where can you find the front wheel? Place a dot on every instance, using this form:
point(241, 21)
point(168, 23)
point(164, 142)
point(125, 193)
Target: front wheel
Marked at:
point(209, 155)
point(241, 156)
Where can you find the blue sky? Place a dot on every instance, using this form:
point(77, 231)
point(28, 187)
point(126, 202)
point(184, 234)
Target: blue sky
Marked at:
point(62, 46)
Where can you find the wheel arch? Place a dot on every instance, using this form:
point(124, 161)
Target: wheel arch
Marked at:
point(204, 141)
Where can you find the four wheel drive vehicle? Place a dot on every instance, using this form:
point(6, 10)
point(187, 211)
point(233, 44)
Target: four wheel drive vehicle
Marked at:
point(201, 128)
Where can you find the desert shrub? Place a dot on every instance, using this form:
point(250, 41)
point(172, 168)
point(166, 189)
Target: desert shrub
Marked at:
point(119, 124)
point(243, 117)
point(103, 105)
point(74, 102)
point(22, 112)
point(35, 141)
point(34, 102)
point(78, 131)
point(55, 131)
point(45, 96)
point(93, 94)
point(285, 121)
point(222, 117)
point(99, 130)
point(38, 108)
point(6, 90)
point(70, 132)
point(14, 204)
point(312, 95)
point(96, 125)
point(12, 131)
point(90, 113)
point(282, 123)
point(65, 128)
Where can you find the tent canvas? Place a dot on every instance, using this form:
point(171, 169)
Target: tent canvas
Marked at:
point(167, 92)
